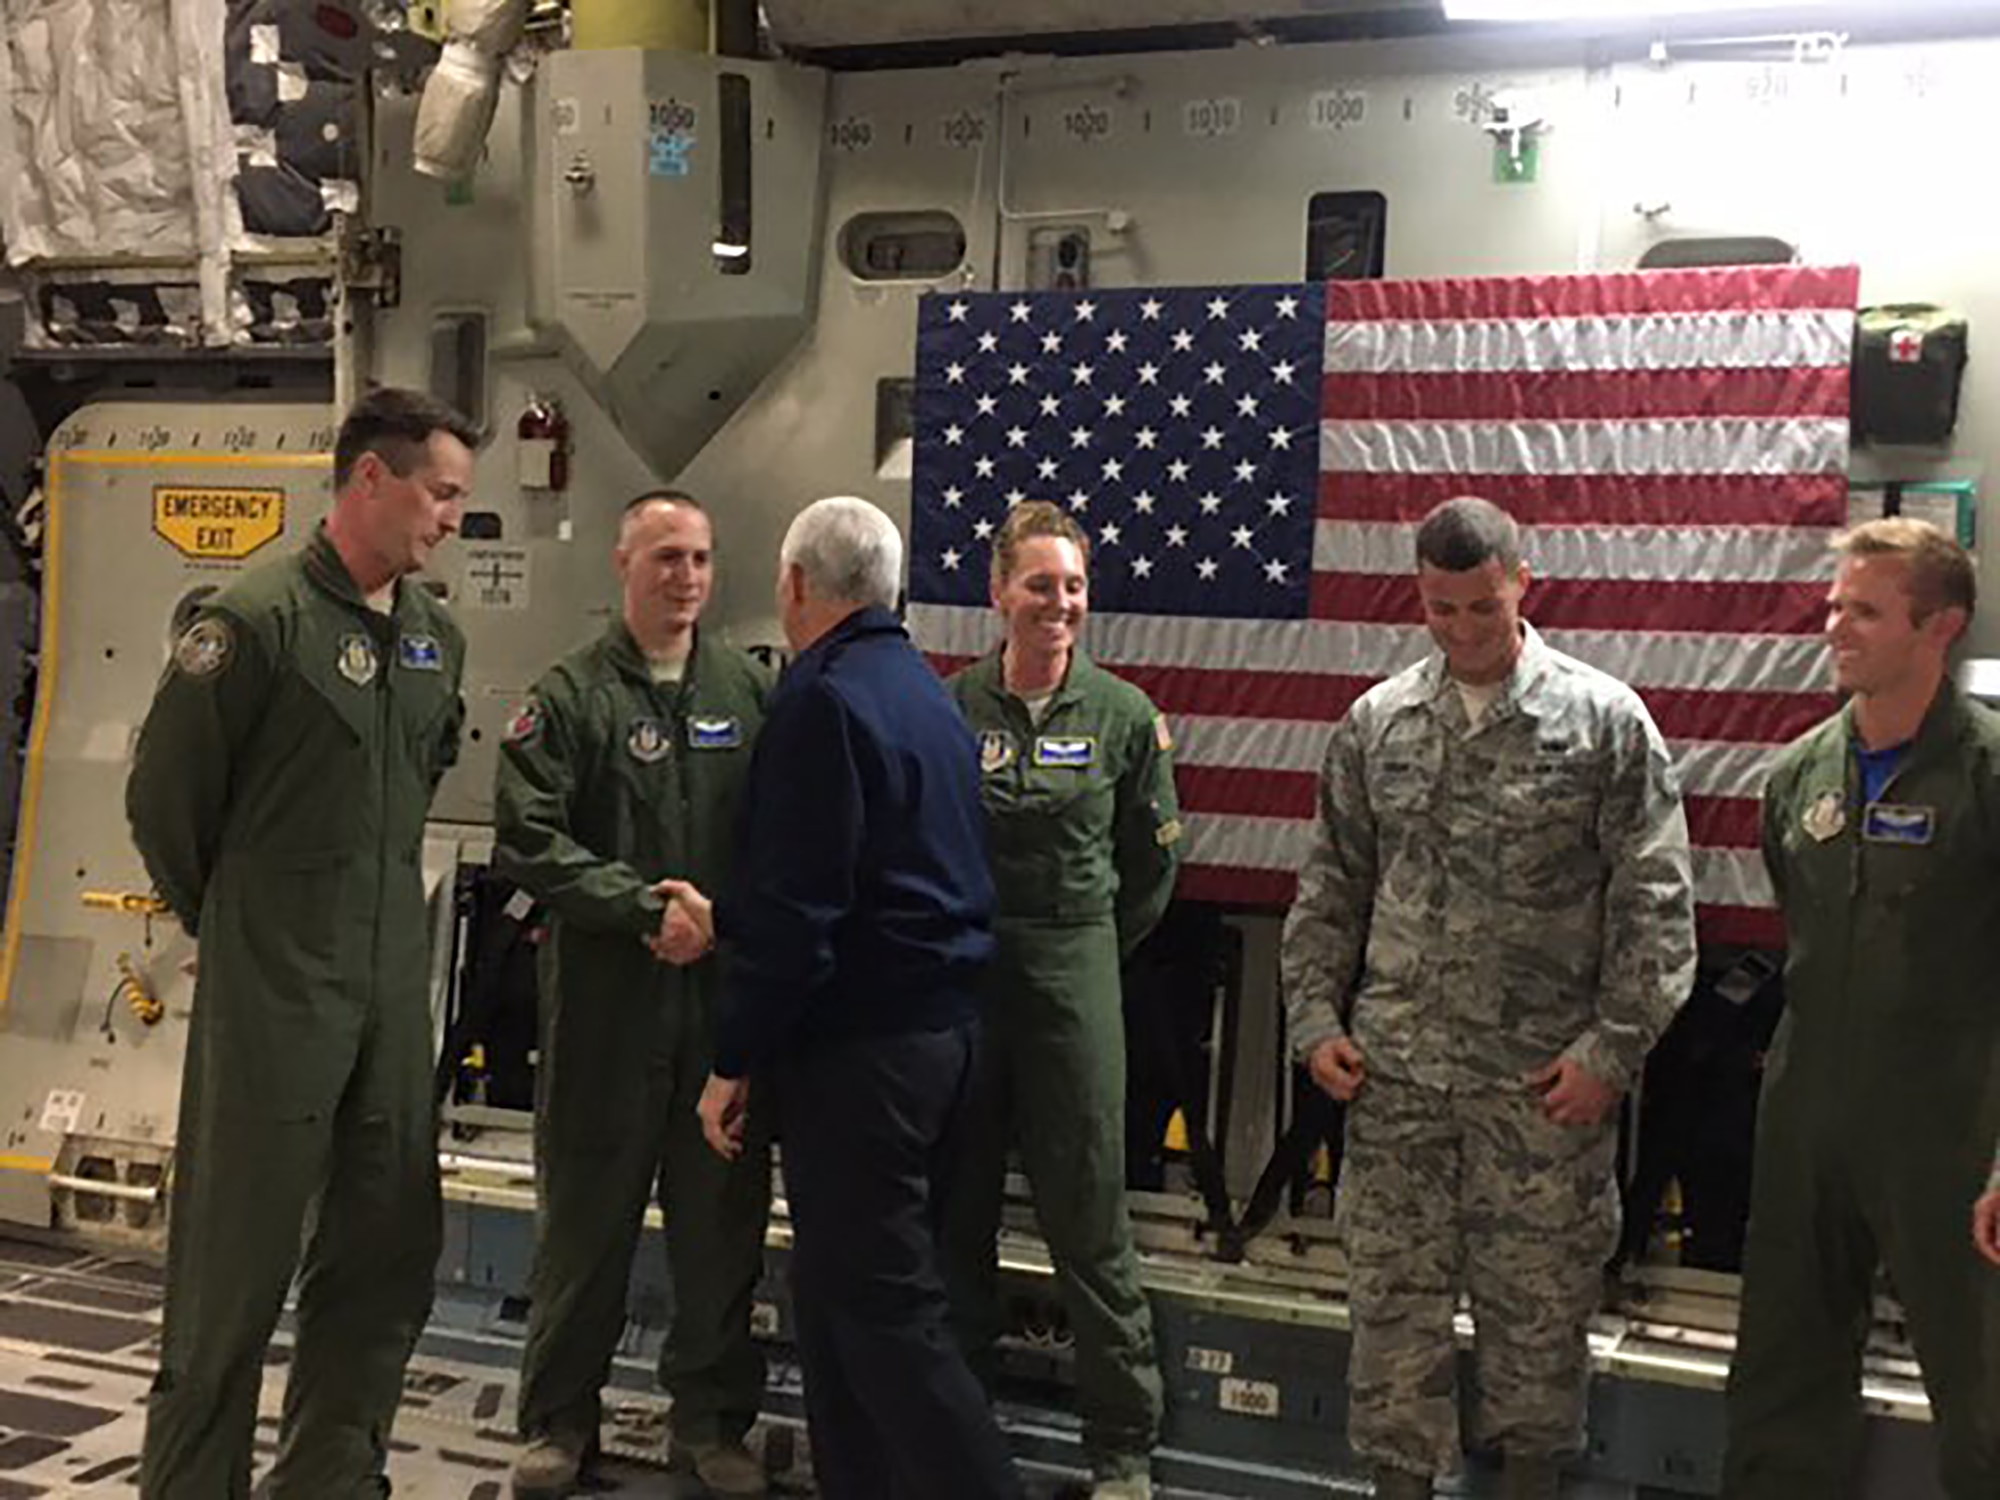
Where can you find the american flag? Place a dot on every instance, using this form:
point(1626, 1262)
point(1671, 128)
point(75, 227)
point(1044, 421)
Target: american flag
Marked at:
point(1251, 463)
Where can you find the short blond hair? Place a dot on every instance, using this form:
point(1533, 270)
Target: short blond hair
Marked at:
point(1941, 572)
point(1029, 519)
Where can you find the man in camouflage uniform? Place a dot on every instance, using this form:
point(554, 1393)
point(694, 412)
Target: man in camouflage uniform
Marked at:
point(1494, 925)
point(1881, 1099)
point(278, 798)
point(625, 768)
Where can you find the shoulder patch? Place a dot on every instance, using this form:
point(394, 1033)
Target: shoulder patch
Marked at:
point(204, 647)
point(526, 723)
point(1161, 733)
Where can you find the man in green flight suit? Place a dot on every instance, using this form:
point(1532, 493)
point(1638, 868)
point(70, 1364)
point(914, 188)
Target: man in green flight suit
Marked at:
point(278, 797)
point(624, 769)
point(1077, 779)
point(1881, 1100)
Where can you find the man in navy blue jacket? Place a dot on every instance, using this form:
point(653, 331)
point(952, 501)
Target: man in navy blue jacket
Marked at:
point(862, 914)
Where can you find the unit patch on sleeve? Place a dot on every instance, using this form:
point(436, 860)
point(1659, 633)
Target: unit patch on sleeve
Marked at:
point(714, 734)
point(1162, 733)
point(525, 724)
point(204, 648)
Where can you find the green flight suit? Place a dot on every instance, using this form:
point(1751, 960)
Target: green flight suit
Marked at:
point(278, 797)
point(1881, 1106)
point(608, 782)
point(1084, 825)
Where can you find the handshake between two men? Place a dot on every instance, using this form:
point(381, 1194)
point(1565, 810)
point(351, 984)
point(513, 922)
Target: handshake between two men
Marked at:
point(687, 934)
point(687, 924)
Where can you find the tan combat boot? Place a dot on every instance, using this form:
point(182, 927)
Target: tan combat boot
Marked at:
point(548, 1469)
point(727, 1469)
point(1127, 1487)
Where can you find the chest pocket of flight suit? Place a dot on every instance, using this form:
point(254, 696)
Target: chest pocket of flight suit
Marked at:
point(1048, 822)
point(424, 702)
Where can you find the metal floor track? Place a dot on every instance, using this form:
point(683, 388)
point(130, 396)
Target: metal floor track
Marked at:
point(79, 1336)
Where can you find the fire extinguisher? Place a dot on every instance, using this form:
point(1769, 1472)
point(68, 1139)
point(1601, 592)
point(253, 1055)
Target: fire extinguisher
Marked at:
point(542, 444)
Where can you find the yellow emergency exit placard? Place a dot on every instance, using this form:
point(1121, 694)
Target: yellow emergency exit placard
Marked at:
point(216, 522)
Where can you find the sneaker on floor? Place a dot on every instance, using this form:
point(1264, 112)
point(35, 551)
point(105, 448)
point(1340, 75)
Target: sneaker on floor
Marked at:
point(548, 1469)
point(727, 1469)
point(1128, 1487)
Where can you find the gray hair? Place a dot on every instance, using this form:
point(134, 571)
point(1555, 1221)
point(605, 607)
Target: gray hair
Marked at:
point(849, 551)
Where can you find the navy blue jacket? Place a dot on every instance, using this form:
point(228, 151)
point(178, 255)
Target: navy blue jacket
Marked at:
point(863, 901)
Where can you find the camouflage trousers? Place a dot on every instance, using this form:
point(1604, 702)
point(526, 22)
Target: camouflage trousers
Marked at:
point(1475, 1191)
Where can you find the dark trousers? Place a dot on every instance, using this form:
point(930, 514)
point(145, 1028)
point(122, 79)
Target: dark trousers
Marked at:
point(891, 1405)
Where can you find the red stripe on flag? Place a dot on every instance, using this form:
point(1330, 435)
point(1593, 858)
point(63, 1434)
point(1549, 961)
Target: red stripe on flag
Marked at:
point(1741, 926)
point(1585, 395)
point(1741, 718)
point(1725, 822)
point(1311, 697)
point(1231, 885)
point(1597, 499)
point(1597, 604)
point(945, 666)
point(1248, 791)
point(1637, 293)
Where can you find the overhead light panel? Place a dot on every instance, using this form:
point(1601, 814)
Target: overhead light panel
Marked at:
point(1609, 10)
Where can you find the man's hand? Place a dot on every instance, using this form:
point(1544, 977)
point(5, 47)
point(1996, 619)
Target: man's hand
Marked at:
point(687, 925)
point(724, 1109)
point(1336, 1066)
point(1986, 1226)
point(1571, 1094)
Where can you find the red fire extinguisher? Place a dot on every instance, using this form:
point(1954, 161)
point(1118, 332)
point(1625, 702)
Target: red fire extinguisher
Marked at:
point(542, 444)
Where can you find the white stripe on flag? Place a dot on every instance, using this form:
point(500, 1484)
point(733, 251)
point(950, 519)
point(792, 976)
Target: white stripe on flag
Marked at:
point(1249, 744)
point(1252, 843)
point(1722, 877)
point(1707, 445)
point(1720, 768)
point(1644, 659)
point(1731, 877)
point(1713, 554)
point(1709, 341)
point(1708, 768)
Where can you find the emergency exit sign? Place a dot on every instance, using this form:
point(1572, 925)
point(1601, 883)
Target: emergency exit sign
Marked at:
point(217, 523)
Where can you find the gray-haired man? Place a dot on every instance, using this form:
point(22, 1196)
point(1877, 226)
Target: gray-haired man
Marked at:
point(861, 917)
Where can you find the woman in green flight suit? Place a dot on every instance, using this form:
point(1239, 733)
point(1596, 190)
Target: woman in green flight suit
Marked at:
point(1078, 785)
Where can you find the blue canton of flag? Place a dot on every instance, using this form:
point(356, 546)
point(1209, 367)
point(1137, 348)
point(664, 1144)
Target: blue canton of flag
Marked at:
point(1179, 427)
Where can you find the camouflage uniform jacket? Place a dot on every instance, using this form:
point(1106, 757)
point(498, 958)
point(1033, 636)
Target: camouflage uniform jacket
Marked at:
point(1477, 901)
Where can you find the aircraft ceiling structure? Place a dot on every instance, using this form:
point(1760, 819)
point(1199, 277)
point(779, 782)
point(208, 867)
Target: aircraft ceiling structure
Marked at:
point(808, 24)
